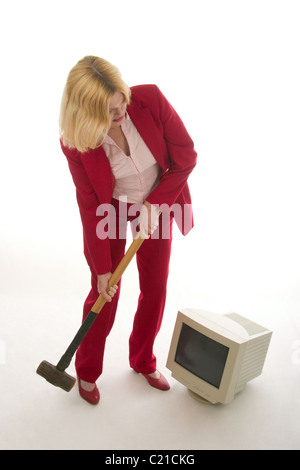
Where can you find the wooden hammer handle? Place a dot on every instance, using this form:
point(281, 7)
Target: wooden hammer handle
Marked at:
point(65, 360)
point(117, 274)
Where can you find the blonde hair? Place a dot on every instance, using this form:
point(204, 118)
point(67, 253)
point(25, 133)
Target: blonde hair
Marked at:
point(84, 115)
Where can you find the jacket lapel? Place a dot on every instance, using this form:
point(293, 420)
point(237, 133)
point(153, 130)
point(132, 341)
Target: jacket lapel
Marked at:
point(145, 124)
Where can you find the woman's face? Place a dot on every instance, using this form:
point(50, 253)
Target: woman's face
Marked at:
point(117, 109)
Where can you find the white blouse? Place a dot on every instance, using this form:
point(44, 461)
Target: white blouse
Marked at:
point(137, 174)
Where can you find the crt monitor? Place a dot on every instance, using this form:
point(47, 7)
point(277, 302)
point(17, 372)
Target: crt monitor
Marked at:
point(215, 355)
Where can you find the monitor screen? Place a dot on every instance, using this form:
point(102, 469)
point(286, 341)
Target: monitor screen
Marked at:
point(201, 355)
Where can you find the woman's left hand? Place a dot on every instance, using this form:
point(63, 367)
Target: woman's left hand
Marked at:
point(102, 284)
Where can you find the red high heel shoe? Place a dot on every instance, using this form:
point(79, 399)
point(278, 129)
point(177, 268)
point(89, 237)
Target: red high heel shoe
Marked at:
point(161, 382)
point(92, 397)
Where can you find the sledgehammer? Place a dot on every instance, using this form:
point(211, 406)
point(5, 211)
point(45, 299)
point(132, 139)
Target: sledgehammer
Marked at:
point(56, 375)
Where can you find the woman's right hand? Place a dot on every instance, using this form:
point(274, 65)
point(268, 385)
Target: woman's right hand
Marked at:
point(102, 287)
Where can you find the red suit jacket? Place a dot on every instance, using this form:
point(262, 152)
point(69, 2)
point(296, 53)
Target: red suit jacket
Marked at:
point(164, 133)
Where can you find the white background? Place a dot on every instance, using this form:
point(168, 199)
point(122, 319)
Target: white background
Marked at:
point(231, 70)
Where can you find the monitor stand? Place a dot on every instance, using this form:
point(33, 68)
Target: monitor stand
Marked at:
point(199, 398)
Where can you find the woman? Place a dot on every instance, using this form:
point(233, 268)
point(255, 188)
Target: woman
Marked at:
point(126, 149)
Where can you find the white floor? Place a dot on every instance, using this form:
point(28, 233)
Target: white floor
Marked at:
point(38, 323)
point(237, 91)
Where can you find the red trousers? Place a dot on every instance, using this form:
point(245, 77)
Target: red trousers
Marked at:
point(153, 266)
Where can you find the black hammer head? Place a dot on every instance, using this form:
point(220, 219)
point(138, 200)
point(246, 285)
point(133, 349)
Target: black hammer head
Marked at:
point(56, 377)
